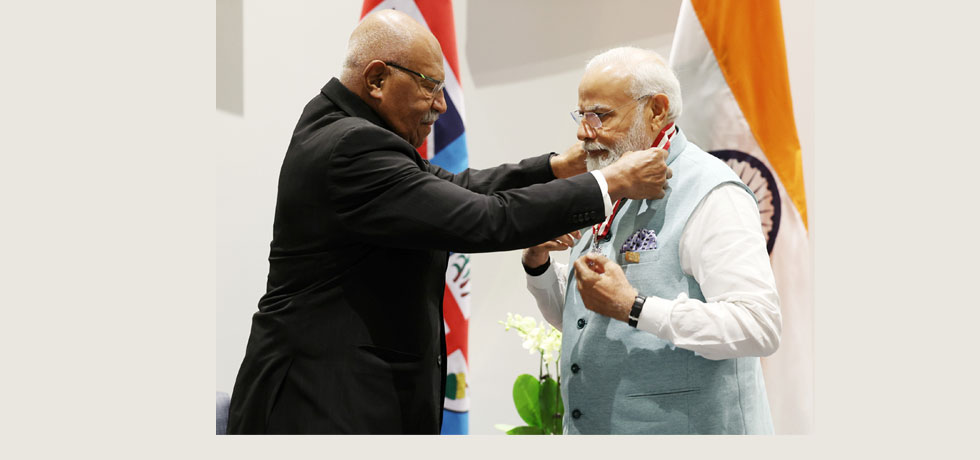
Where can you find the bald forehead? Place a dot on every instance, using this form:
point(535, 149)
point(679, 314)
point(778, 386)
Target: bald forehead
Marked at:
point(393, 35)
point(425, 56)
point(426, 46)
point(392, 20)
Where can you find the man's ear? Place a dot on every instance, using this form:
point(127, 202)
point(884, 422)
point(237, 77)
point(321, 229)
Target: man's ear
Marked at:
point(374, 78)
point(659, 106)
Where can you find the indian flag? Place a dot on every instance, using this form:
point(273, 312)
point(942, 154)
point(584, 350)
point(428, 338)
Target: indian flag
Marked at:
point(731, 62)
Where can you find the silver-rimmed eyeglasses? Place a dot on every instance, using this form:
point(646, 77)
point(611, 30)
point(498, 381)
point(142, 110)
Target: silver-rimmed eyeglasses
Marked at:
point(593, 119)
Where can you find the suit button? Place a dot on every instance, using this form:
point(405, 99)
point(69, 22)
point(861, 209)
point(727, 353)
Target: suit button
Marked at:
point(439, 361)
point(581, 323)
point(575, 368)
point(576, 413)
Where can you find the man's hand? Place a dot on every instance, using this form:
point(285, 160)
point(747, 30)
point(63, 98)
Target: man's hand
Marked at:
point(536, 256)
point(604, 287)
point(571, 163)
point(638, 175)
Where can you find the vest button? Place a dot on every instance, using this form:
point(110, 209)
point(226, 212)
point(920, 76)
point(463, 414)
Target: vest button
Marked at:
point(576, 413)
point(581, 323)
point(575, 368)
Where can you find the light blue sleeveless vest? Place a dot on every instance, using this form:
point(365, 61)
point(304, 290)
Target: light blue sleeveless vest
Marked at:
point(620, 380)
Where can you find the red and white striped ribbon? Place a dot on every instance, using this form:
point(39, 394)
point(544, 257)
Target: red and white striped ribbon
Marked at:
point(662, 141)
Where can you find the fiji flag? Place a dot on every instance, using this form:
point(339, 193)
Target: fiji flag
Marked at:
point(446, 147)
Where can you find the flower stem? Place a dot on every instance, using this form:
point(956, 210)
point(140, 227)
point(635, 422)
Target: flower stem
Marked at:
point(541, 366)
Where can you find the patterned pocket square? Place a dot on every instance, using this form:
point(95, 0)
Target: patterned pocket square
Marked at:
point(642, 240)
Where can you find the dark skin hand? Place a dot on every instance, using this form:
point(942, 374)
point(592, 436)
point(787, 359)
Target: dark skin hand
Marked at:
point(571, 163)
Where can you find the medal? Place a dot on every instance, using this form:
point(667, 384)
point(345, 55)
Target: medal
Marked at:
point(595, 244)
point(597, 235)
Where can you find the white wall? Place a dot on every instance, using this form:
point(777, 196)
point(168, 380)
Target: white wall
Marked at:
point(521, 62)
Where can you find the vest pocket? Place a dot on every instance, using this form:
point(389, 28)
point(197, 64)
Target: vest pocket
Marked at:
point(654, 412)
point(651, 276)
point(648, 256)
point(665, 393)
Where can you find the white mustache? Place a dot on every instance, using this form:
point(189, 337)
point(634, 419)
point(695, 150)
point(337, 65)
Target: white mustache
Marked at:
point(430, 117)
point(590, 146)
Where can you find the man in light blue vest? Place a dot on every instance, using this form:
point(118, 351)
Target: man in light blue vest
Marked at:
point(669, 303)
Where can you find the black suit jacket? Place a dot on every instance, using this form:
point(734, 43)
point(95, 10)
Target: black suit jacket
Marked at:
point(349, 335)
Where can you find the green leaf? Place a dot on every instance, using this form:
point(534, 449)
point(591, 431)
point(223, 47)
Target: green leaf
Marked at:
point(526, 430)
point(549, 400)
point(526, 391)
point(504, 428)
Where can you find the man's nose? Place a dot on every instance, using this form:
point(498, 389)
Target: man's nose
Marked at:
point(585, 131)
point(439, 102)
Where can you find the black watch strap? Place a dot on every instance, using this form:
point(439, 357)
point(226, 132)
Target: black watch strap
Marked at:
point(637, 308)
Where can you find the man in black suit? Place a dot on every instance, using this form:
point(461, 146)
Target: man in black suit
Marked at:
point(349, 335)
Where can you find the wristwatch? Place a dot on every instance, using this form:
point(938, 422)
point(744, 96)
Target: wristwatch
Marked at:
point(637, 308)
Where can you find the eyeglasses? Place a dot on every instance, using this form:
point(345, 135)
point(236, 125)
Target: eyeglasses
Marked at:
point(594, 120)
point(430, 85)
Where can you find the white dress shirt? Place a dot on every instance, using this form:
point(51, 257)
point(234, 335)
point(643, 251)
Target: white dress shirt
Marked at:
point(723, 248)
point(604, 188)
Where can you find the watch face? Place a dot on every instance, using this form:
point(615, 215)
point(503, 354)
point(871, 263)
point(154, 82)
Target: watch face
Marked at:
point(762, 182)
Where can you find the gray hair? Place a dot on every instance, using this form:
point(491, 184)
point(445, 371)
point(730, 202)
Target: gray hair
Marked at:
point(649, 71)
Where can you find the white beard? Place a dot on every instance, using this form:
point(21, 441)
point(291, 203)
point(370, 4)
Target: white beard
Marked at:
point(594, 162)
point(636, 139)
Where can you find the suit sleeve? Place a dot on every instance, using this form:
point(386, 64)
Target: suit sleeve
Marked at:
point(531, 171)
point(382, 196)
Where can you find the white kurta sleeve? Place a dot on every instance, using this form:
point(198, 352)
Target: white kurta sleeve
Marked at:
point(548, 290)
point(724, 249)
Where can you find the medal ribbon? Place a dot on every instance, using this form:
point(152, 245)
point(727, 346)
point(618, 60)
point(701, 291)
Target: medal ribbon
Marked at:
point(662, 141)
